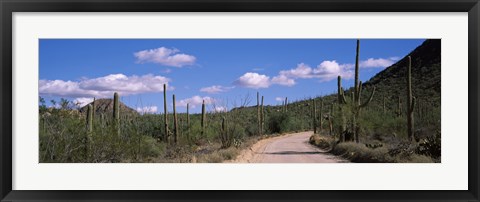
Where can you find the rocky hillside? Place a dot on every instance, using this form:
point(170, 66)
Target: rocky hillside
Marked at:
point(106, 106)
point(426, 73)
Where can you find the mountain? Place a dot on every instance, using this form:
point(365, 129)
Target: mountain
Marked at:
point(426, 76)
point(106, 106)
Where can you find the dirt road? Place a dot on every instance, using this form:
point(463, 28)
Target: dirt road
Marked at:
point(291, 148)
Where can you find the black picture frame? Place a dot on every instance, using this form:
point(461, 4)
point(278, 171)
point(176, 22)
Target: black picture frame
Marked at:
point(8, 7)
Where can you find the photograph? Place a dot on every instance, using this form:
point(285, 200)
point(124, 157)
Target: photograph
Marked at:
point(239, 100)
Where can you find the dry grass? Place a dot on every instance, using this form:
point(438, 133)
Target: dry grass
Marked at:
point(322, 141)
point(360, 153)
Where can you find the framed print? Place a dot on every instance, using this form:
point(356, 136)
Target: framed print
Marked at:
point(239, 101)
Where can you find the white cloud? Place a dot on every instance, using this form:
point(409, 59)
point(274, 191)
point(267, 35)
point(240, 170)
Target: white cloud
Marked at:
point(283, 80)
point(253, 80)
point(279, 99)
point(377, 63)
point(215, 89)
point(301, 71)
point(195, 101)
point(329, 70)
point(165, 56)
point(220, 109)
point(82, 101)
point(325, 71)
point(147, 110)
point(102, 87)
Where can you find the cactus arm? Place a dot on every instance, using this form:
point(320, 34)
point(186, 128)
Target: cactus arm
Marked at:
point(369, 99)
point(359, 93)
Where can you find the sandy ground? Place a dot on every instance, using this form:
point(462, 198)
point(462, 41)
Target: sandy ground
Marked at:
point(290, 148)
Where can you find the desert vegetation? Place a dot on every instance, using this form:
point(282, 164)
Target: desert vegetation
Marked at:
point(393, 117)
point(388, 134)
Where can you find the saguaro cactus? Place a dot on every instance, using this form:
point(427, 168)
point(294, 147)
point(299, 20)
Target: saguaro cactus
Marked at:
point(188, 121)
point(262, 118)
point(314, 116)
point(357, 105)
point(286, 103)
point(89, 118)
point(175, 121)
point(330, 119)
point(225, 136)
point(116, 111)
point(165, 115)
point(321, 115)
point(89, 125)
point(341, 101)
point(259, 118)
point(410, 101)
point(116, 107)
point(203, 118)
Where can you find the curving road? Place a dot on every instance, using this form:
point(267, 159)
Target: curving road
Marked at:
point(291, 148)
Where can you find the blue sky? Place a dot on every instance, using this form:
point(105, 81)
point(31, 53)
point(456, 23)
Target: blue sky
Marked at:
point(220, 71)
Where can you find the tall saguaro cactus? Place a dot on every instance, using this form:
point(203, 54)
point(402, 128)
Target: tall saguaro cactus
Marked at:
point(175, 121)
point(89, 118)
point(116, 112)
point(89, 124)
point(165, 115)
point(321, 115)
point(286, 103)
point(341, 101)
point(314, 116)
point(410, 101)
point(259, 118)
point(330, 119)
point(188, 121)
point(357, 105)
point(203, 118)
point(262, 118)
point(116, 107)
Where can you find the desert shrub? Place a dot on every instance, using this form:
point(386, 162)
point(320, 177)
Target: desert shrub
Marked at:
point(375, 122)
point(59, 139)
point(150, 147)
point(280, 123)
point(228, 154)
point(321, 141)
point(360, 153)
point(430, 146)
point(214, 157)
